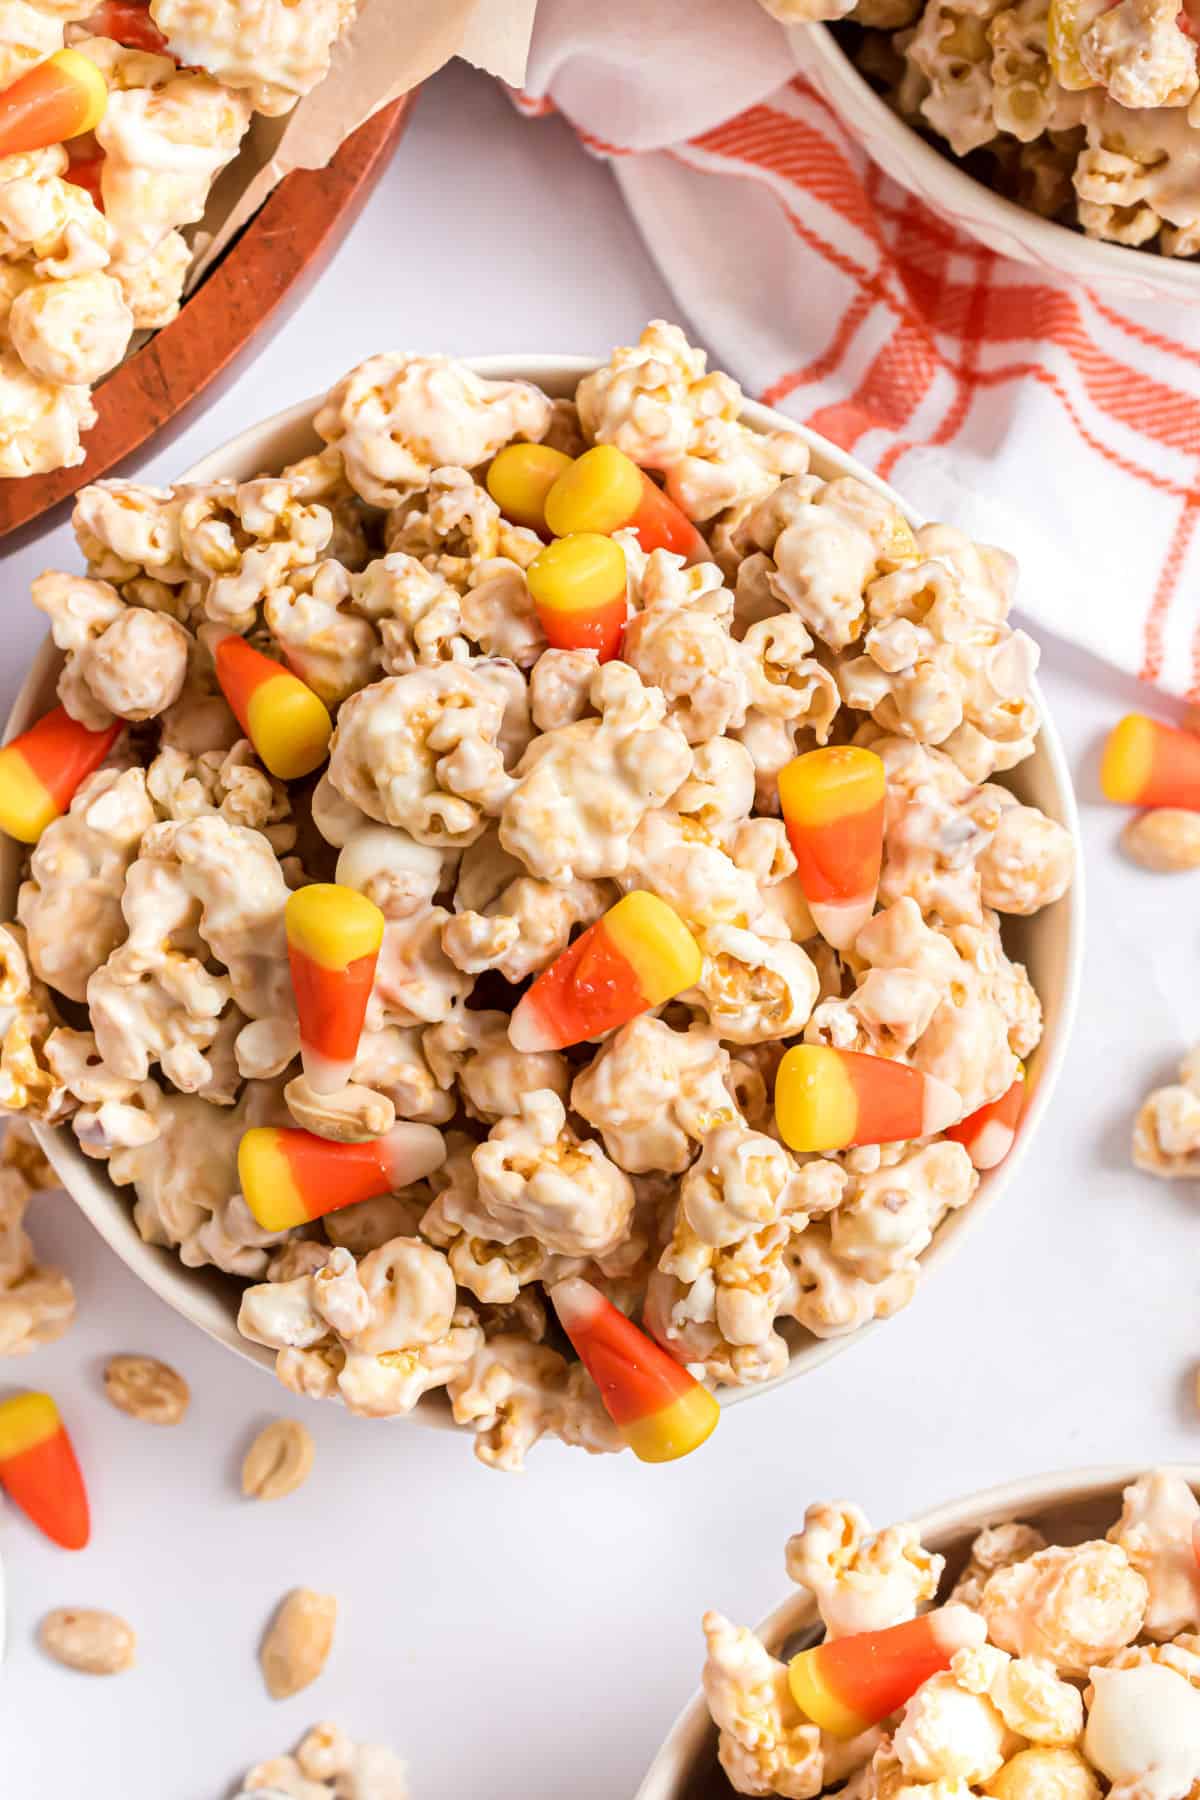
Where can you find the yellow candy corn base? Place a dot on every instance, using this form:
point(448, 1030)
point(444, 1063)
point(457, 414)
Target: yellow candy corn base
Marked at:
point(676, 1430)
point(333, 925)
point(816, 1106)
point(289, 727)
point(817, 1702)
point(657, 945)
point(26, 1420)
point(268, 1185)
point(26, 804)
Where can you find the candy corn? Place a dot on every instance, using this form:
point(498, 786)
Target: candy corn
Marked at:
point(578, 588)
point(333, 936)
point(519, 479)
point(832, 804)
point(39, 1472)
point(289, 1177)
point(41, 769)
point(284, 720)
point(604, 491)
point(55, 100)
point(127, 22)
point(86, 172)
point(830, 1099)
point(661, 1411)
point(987, 1134)
point(1148, 764)
point(638, 955)
point(848, 1684)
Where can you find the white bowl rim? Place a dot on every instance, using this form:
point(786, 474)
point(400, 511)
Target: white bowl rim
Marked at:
point(1017, 1499)
point(162, 1272)
point(938, 180)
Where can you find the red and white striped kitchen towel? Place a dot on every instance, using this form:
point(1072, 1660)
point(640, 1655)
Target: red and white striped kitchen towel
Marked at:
point(1059, 423)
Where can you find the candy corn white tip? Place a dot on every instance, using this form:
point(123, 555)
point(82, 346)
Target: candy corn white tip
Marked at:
point(990, 1146)
point(528, 1031)
point(957, 1628)
point(942, 1106)
point(324, 1074)
point(840, 921)
point(575, 1301)
point(411, 1152)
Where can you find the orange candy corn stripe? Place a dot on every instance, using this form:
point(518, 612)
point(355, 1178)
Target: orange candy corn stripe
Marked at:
point(333, 936)
point(127, 22)
point(638, 955)
point(39, 1471)
point(285, 721)
point(831, 1099)
point(578, 588)
point(1149, 764)
point(832, 804)
point(603, 490)
point(41, 769)
point(848, 1684)
point(661, 1411)
point(56, 100)
point(289, 1177)
point(988, 1134)
point(519, 479)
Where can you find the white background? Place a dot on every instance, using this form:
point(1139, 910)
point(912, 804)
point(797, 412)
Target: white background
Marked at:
point(524, 1638)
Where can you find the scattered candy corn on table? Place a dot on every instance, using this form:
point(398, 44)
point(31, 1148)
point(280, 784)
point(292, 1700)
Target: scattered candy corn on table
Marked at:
point(438, 1565)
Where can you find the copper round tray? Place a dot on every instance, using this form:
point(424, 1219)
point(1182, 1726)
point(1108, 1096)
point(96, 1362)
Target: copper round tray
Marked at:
point(259, 279)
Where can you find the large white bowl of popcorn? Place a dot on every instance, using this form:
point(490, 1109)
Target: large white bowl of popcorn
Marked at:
point(657, 772)
point(1075, 182)
point(1074, 1584)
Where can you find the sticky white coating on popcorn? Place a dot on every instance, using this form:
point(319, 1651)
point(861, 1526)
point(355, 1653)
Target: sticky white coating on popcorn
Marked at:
point(861, 1580)
point(494, 798)
point(327, 1765)
point(273, 51)
point(37, 1302)
point(1166, 1133)
point(1073, 1607)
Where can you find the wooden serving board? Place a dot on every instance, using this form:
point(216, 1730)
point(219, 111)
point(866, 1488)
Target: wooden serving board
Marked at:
point(258, 281)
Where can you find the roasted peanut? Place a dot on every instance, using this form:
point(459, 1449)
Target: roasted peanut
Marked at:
point(278, 1461)
point(298, 1642)
point(87, 1639)
point(1166, 840)
point(146, 1389)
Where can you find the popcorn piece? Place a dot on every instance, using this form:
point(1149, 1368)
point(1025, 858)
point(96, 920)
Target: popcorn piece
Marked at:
point(422, 751)
point(71, 332)
point(40, 422)
point(122, 661)
point(652, 1093)
point(290, 1177)
point(324, 641)
point(1028, 862)
point(848, 1684)
point(603, 491)
point(830, 1099)
point(39, 1471)
point(1056, 1774)
point(679, 642)
point(57, 99)
point(582, 790)
point(637, 957)
point(285, 721)
point(578, 587)
point(37, 1303)
point(861, 1581)
point(514, 1392)
point(1143, 1731)
point(661, 1411)
point(274, 52)
point(474, 1049)
point(996, 1547)
point(333, 937)
point(520, 477)
point(153, 288)
point(949, 1734)
point(752, 988)
point(1072, 1607)
point(1166, 1133)
point(767, 1745)
point(1149, 764)
point(833, 807)
point(396, 418)
point(327, 1766)
point(1155, 1531)
point(41, 769)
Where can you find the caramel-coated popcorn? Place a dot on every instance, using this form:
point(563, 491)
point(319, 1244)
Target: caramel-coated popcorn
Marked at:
point(494, 798)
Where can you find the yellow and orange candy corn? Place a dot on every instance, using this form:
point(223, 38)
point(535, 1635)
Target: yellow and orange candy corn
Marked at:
point(832, 804)
point(284, 720)
point(832, 1099)
point(289, 1177)
point(603, 490)
point(639, 955)
point(988, 1134)
point(55, 100)
point(39, 1471)
point(41, 769)
point(848, 1684)
point(578, 588)
point(520, 477)
point(660, 1410)
point(333, 937)
point(1149, 764)
point(127, 22)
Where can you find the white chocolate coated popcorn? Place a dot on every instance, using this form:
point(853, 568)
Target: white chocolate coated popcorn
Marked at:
point(1166, 1133)
point(327, 1765)
point(273, 51)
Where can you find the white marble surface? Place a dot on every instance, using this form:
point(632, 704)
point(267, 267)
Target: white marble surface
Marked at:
point(533, 1637)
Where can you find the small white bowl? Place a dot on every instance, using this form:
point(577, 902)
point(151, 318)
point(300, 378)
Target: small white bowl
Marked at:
point(1050, 944)
point(948, 190)
point(1068, 1508)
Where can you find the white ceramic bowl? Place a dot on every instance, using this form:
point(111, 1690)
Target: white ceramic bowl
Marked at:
point(1051, 944)
point(1068, 1508)
point(948, 190)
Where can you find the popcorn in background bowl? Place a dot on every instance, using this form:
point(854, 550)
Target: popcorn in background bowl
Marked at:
point(492, 796)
